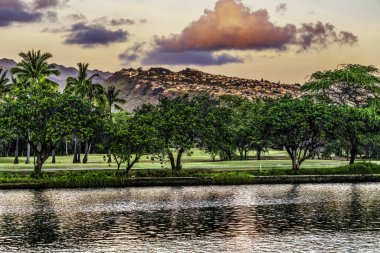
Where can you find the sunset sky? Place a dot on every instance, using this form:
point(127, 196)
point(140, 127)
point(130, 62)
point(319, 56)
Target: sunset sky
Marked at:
point(278, 40)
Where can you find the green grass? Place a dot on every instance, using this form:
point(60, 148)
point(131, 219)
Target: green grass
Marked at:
point(108, 178)
point(199, 159)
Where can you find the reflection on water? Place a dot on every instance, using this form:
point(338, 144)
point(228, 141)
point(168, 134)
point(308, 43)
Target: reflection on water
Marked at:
point(267, 218)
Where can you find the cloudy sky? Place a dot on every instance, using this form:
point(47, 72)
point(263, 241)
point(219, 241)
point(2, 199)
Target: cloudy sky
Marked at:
point(279, 40)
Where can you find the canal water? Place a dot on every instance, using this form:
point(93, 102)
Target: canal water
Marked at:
point(262, 218)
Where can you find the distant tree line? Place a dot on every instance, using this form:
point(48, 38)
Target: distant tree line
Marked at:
point(337, 114)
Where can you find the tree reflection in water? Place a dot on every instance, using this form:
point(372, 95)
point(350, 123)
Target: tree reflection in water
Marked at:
point(92, 220)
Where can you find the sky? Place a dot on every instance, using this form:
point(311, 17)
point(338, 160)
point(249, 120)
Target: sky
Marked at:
point(278, 40)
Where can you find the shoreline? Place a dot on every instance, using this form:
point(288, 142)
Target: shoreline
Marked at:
point(192, 181)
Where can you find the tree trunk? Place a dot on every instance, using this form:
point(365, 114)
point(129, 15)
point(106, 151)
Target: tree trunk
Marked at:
point(53, 156)
point(241, 154)
point(109, 156)
point(176, 165)
point(42, 156)
point(79, 151)
point(8, 150)
point(38, 167)
point(86, 152)
point(293, 156)
point(353, 153)
point(27, 161)
point(295, 164)
point(259, 150)
point(75, 151)
point(40, 162)
point(130, 165)
point(66, 148)
point(16, 151)
point(179, 157)
point(171, 159)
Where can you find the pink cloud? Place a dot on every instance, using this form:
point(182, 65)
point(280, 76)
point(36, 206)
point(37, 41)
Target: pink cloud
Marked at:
point(231, 25)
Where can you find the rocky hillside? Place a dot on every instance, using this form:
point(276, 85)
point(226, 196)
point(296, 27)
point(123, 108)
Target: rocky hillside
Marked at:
point(139, 86)
point(66, 72)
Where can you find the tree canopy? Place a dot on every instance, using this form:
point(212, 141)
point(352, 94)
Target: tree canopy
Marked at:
point(45, 117)
point(351, 84)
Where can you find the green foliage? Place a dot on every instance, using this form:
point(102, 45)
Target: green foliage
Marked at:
point(113, 98)
point(44, 117)
point(231, 178)
point(219, 127)
point(131, 136)
point(302, 127)
point(356, 124)
point(5, 87)
point(351, 84)
point(84, 87)
point(34, 69)
point(175, 125)
point(361, 168)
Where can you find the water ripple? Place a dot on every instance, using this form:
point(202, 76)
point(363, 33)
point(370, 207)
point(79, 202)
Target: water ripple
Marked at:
point(266, 218)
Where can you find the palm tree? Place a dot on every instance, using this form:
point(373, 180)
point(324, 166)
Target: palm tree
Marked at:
point(5, 88)
point(84, 87)
point(113, 99)
point(34, 69)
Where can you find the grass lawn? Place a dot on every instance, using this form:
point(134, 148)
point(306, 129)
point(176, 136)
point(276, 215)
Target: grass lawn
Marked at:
point(198, 160)
point(198, 169)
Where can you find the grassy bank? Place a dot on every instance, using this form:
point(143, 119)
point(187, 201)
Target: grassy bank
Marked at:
point(361, 172)
point(199, 159)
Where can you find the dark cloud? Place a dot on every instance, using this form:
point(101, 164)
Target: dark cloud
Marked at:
point(76, 17)
point(133, 53)
point(94, 35)
point(281, 8)
point(15, 11)
point(122, 21)
point(118, 21)
point(55, 30)
point(322, 35)
point(51, 16)
point(202, 58)
point(233, 26)
point(45, 4)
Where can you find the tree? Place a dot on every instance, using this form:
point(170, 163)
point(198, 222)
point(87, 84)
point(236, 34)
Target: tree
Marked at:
point(34, 69)
point(214, 128)
point(238, 125)
point(113, 99)
point(5, 87)
point(356, 124)
point(350, 84)
point(257, 125)
point(83, 87)
point(175, 124)
point(47, 116)
point(131, 136)
point(302, 127)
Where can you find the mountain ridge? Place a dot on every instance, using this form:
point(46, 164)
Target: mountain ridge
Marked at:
point(140, 86)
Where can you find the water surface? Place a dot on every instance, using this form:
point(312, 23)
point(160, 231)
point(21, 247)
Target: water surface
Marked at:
point(265, 218)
